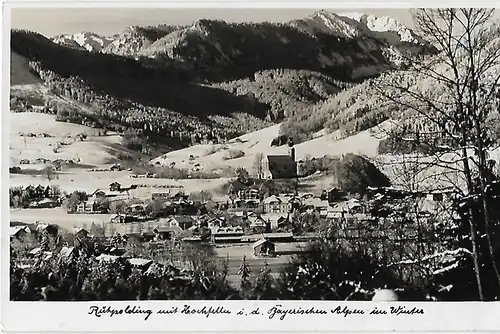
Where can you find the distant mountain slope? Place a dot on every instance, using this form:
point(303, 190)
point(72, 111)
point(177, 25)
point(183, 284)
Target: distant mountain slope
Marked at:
point(20, 74)
point(135, 38)
point(85, 40)
point(397, 41)
point(128, 43)
point(213, 80)
point(224, 51)
point(285, 91)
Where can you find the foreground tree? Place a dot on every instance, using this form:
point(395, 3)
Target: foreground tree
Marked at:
point(450, 105)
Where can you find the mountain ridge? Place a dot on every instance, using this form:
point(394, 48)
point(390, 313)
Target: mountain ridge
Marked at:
point(219, 73)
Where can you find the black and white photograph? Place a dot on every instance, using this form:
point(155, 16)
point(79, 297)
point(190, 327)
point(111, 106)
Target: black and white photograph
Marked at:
point(253, 154)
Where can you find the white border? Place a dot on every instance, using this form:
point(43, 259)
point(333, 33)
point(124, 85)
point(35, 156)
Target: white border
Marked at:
point(67, 316)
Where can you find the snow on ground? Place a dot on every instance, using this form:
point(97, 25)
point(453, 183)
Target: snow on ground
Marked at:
point(84, 180)
point(364, 143)
point(93, 151)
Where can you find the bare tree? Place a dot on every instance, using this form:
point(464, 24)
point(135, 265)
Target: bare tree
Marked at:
point(448, 102)
point(48, 173)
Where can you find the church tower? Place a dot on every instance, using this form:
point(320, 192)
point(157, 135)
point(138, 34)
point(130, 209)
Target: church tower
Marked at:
point(291, 149)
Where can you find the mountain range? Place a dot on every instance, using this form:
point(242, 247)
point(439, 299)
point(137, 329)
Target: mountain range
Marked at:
point(215, 78)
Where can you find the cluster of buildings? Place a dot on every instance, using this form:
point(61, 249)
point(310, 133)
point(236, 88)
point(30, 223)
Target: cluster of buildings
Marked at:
point(115, 192)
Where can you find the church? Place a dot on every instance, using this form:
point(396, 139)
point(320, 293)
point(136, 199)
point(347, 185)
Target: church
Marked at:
point(282, 166)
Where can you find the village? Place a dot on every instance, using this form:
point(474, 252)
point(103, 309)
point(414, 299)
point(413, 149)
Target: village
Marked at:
point(265, 230)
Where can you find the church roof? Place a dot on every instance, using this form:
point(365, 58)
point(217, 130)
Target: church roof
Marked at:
point(282, 166)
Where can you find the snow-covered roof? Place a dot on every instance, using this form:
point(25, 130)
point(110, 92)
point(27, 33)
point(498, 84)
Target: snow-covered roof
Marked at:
point(139, 262)
point(260, 242)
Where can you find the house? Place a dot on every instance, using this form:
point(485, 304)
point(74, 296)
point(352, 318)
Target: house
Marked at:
point(275, 220)
point(257, 221)
point(40, 191)
point(227, 234)
point(148, 236)
point(133, 237)
point(118, 219)
point(137, 209)
point(115, 186)
point(315, 204)
point(336, 194)
point(179, 196)
point(107, 258)
point(277, 204)
point(44, 203)
point(248, 194)
point(166, 233)
point(67, 253)
point(37, 252)
point(281, 166)
point(139, 263)
point(184, 222)
point(263, 247)
point(81, 233)
point(100, 193)
point(51, 229)
point(115, 167)
point(160, 195)
point(216, 222)
point(18, 232)
point(42, 161)
point(89, 206)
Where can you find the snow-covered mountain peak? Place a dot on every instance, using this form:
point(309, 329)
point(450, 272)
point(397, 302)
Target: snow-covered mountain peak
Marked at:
point(86, 40)
point(385, 24)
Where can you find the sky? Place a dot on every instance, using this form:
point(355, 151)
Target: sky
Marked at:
point(110, 21)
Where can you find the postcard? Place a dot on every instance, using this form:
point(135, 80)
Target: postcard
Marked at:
point(251, 168)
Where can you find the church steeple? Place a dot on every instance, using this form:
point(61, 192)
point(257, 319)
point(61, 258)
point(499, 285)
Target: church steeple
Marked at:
point(291, 148)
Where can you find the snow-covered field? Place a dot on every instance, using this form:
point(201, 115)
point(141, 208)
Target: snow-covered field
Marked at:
point(83, 180)
point(94, 150)
point(364, 143)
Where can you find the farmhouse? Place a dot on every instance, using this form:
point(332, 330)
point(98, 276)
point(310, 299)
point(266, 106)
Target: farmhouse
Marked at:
point(18, 232)
point(184, 222)
point(81, 232)
point(89, 206)
point(51, 229)
point(263, 247)
point(136, 209)
point(166, 233)
point(118, 218)
point(115, 186)
point(160, 195)
point(115, 167)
